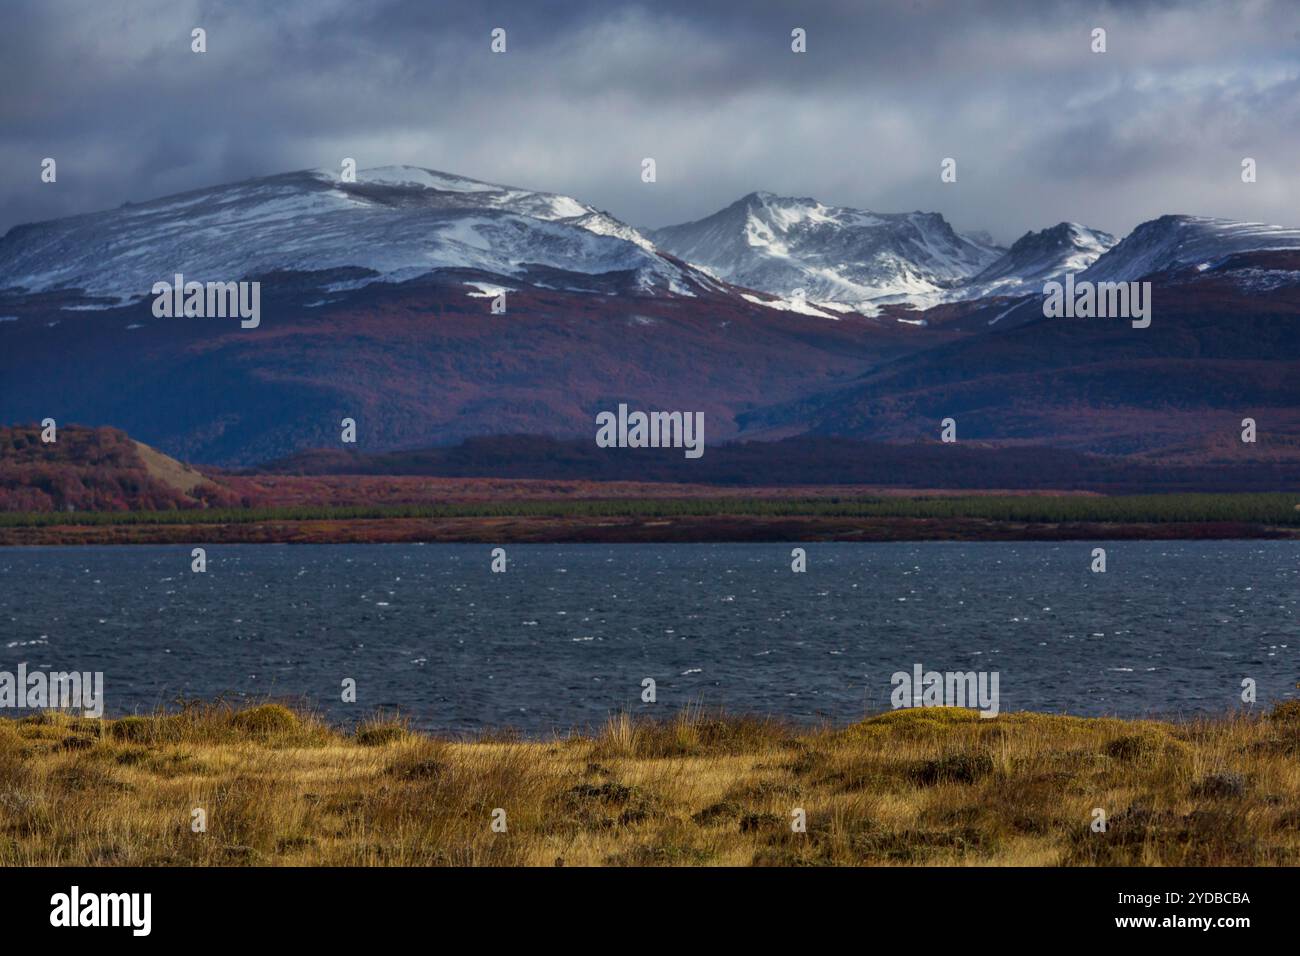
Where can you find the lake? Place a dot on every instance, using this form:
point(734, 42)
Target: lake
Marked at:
point(568, 633)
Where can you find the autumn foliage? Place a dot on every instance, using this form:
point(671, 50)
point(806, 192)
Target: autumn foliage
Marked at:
point(93, 469)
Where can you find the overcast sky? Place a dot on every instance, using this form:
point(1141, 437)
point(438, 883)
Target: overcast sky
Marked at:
point(1042, 128)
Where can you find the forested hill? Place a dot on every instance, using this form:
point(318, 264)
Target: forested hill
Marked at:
point(97, 469)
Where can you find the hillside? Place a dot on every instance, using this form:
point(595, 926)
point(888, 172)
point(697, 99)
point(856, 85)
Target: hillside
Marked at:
point(97, 469)
point(1218, 350)
point(808, 460)
point(378, 301)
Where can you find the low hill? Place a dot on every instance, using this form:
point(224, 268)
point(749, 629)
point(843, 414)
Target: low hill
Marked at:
point(97, 469)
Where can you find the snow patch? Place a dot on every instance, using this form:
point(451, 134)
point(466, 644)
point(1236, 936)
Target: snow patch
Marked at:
point(486, 290)
point(788, 305)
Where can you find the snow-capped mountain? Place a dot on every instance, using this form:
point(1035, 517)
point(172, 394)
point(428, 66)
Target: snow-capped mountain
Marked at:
point(851, 259)
point(837, 255)
point(401, 222)
point(397, 222)
point(1038, 257)
point(1182, 242)
point(601, 313)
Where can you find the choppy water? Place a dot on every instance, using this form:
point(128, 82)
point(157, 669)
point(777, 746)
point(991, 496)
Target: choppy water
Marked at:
point(568, 633)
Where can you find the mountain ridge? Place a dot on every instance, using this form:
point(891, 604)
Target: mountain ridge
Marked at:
point(378, 306)
point(851, 257)
point(396, 223)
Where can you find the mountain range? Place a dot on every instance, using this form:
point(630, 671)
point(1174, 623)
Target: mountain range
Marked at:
point(775, 316)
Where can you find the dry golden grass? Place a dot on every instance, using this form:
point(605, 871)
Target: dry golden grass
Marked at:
point(911, 787)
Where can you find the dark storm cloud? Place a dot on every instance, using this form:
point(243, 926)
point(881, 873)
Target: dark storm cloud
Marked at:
point(1042, 128)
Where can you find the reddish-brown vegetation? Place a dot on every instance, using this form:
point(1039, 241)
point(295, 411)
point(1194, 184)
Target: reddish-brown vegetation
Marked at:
point(341, 491)
point(97, 469)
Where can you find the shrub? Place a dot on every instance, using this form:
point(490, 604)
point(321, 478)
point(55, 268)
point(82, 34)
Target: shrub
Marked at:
point(380, 733)
point(1287, 711)
point(266, 720)
point(953, 768)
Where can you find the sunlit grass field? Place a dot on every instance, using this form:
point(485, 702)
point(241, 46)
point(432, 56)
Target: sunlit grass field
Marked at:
point(929, 787)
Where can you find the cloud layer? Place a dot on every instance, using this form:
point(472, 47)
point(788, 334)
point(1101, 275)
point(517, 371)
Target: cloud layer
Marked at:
point(1042, 128)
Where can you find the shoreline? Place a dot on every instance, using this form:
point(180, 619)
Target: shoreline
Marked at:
point(685, 529)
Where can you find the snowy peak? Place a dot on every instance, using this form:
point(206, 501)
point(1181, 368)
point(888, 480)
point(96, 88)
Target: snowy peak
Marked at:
point(852, 257)
point(396, 222)
point(399, 185)
point(1182, 242)
point(1037, 257)
point(1065, 240)
point(416, 178)
point(445, 190)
